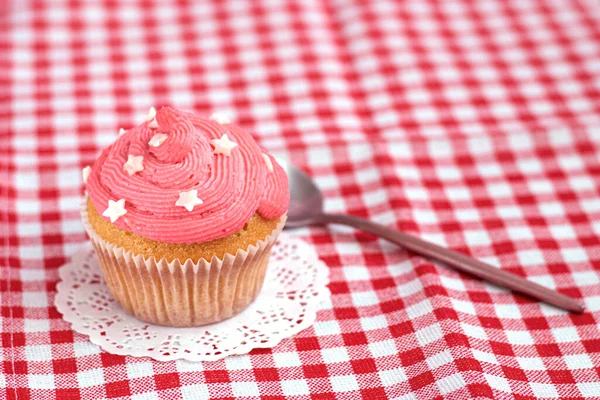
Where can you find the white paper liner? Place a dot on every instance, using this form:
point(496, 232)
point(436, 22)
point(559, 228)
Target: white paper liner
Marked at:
point(182, 294)
point(293, 291)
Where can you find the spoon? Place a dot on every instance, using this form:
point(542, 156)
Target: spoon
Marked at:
point(306, 208)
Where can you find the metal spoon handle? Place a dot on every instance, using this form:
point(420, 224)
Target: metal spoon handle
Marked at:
point(459, 261)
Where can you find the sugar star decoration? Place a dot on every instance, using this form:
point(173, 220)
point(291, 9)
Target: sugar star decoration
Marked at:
point(134, 164)
point(122, 132)
point(151, 116)
point(158, 139)
point(268, 162)
point(220, 118)
point(223, 145)
point(115, 210)
point(85, 173)
point(188, 200)
point(153, 124)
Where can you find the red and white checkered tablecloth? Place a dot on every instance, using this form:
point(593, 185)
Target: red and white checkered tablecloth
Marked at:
point(473, 124)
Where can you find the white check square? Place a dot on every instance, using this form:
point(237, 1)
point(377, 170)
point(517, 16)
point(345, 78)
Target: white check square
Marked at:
point(383, 348)
point(392, 376)
point(139, 370)
point(509, 212)
point(297, 387)
point(589, 389)
point(450, 383)
point(574, 255)
point(372, 323)
point(419, 309)
point(586, 278)
point(474, 331)
point(490, 170)
point(194, 392)
point(582, 183)
point(530, 257)
point(477, 238)
point(358, 273)
point(467, 215)
point(566, 334)
point(36, 325)
point(345, 383)
point(245, 389)
point(335, 355)
point(463, 306)
point(35, 299)
point(30, 229)
point(145, 396)
point(498, 382)
point(453, 283)
point(33, 252)
point(287, 359)
point(363, 299)
point(484, 356)
point(578, 361)
point(551, 209)
point(540, 187)
point(324, 328)
point(238, 362)
point(41, 381)
point(531, 363)
point(509, 311)
point(544, 390)
point(439, 359)
point(429, 334)
point(519, 337)
point(92, 377)
point(519, 233)
point(27, 181)
point(41, 352)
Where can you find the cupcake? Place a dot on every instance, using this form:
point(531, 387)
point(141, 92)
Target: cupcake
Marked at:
point(182, 212)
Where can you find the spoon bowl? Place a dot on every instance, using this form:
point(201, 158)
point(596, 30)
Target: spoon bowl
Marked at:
point(306, 200)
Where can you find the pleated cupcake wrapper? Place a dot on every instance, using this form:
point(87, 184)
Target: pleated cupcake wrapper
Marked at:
point(184, 293)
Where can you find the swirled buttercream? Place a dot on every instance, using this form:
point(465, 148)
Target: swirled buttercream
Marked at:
point(231, 187)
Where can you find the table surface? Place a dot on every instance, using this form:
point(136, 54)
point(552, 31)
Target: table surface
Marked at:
point(475, 125)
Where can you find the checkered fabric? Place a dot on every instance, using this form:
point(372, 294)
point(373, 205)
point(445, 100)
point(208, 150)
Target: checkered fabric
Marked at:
point(474, 124)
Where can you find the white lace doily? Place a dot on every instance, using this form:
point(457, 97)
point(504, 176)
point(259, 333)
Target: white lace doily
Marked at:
point(295, 284)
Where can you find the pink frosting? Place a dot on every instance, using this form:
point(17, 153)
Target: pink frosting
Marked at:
point(232, 187)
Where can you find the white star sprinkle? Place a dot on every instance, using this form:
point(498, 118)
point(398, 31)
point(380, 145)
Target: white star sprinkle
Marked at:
point(220, 118)
point(122, 132)
point(268, 162)
point(85, 173)
point(223, 145)
point(134, 164)
point(158, 139)
point(153, 124)
point(115, 210)
point(151, 116)
point(188, 200)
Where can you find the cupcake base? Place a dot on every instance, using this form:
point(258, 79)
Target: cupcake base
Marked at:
point(183, 293)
